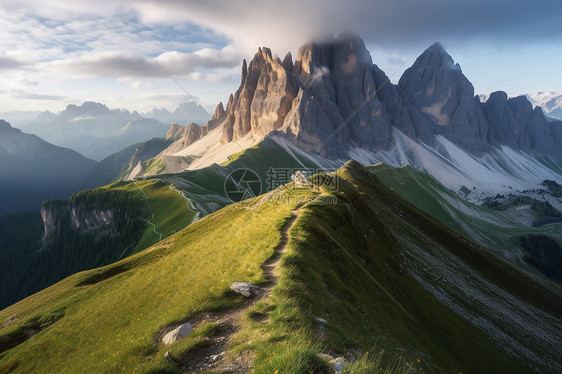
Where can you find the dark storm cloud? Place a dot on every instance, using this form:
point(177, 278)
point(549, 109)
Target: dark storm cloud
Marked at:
point(411, 21)
point(388, 23)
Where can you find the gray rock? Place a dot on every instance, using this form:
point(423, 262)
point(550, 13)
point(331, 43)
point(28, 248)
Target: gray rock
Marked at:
point(244, 288)
point(177, 333)
point(301, 178)
point(336, 363)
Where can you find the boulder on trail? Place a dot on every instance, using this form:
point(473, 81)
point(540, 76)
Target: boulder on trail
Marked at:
point(177, 333)
point(244, 288)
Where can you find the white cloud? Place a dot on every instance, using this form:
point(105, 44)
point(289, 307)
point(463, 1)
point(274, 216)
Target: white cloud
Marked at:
point(129, 66)
point(21, 94)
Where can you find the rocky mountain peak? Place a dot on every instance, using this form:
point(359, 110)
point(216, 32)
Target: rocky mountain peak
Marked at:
point(244, 72)
point(352, 45)
point(88, 107)
point(174, 132)
point(219, 112)
point(263, 99)
point(499, 97)
point(438, 88)
point(287, 62)
point(521, 106)
point(9, 133)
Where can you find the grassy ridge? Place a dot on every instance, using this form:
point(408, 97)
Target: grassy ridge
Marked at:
point(170, 209)
point(115, 320)
point(345, 266)
point(345, 263)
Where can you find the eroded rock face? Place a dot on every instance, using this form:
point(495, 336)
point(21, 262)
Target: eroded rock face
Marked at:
point(86, 221)
point(263, 100)
point(514, 122)
point(187, 135)
point(337, 104)
point(58, 215)
point(175, 131)
point(53, 213)
point(219, 113)
point(506, 129)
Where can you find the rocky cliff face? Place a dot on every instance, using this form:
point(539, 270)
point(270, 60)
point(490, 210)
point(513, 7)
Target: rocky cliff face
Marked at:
point(263, 100)
point(53, 213)
point(508, 126)
point(77, 217)
point(332, 98)
point(515, 123)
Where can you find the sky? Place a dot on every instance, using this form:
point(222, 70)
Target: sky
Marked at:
point(146, 53)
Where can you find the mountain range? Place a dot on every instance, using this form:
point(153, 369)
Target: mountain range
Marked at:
point(435, 249)
point(334, 103)
point(184, 113)
point(96, 131)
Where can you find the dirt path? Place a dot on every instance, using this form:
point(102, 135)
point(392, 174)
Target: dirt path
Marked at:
point(149, 221)
point(210, 354)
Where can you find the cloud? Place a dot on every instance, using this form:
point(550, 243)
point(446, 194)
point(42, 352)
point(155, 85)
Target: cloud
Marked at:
point(58, 43)
point(284, 24)
point(128, 66)
point(208, 58)
point(113, 65)
point(20, 94)
point(154, 27)
point(26, 82)
point(8, 63)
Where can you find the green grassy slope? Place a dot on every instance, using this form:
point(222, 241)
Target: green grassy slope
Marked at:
point(378, 269)
point(119, 316)
point(499, 230)
point(204, 188)
point(29, 264)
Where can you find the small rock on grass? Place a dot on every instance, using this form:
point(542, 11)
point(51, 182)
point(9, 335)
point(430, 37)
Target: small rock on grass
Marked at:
point(177, 333)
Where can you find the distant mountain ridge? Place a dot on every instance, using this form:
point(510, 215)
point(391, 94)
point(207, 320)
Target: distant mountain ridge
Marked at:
point(97, 131)
point(184, 113)
point(550, 102)
point(32, 170)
